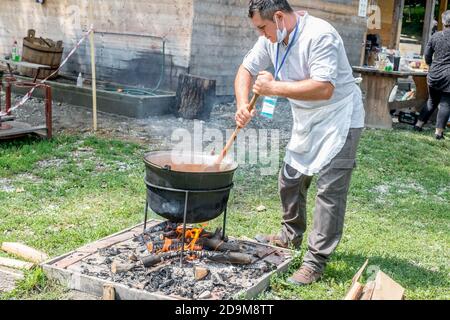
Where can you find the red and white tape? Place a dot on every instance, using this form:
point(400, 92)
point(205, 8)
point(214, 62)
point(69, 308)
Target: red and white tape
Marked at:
point(26, 97)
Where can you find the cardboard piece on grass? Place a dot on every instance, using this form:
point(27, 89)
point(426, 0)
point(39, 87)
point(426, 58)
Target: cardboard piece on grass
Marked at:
point(382, 288)
point(386, 288)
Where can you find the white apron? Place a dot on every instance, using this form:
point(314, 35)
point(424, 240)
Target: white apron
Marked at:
point(318, 134)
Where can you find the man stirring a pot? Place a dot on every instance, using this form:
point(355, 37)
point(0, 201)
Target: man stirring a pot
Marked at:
point(312, 71)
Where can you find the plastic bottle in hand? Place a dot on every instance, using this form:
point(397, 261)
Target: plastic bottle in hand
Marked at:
point(80, 81)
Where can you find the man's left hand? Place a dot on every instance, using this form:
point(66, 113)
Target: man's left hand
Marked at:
point(264, 84)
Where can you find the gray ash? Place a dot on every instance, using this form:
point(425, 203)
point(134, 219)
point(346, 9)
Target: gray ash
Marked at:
point(170, 278)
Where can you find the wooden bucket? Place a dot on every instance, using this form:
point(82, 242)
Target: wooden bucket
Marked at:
point(41, 51)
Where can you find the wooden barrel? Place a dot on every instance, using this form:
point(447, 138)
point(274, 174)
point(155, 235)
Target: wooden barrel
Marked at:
point(41, 51)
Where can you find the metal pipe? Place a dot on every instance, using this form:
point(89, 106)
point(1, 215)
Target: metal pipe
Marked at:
point(48, 111)
point(8, 97)
point(128, 34)
point(184, 228)
point(224, 222)
point(145, 213)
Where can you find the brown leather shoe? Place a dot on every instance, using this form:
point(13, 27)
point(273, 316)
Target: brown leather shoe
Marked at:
point(304, 276)
point(272, 239)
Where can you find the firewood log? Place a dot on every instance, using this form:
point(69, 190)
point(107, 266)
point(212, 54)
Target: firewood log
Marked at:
point(231, 257)
point(24, 251)
point(151, 260)
point(219, 245)
point(120, 267)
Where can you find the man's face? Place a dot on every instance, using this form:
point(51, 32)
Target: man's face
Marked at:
point(266, 28)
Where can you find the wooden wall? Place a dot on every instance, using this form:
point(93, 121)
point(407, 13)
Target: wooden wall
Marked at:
point(205, 37)
point(133, 60)
point(223, 34)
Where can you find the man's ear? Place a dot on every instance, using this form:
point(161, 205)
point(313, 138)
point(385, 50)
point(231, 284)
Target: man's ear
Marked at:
point(278, 15)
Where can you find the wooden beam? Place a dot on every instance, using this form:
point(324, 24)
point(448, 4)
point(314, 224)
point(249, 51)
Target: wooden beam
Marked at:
point(443, 5)
point(15, 264)
point(94, 78)
point(427, 23)
point(355, 291)
point(396, 24)
point(109, 293)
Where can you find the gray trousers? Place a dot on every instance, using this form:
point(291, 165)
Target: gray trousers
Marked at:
point(328, 222)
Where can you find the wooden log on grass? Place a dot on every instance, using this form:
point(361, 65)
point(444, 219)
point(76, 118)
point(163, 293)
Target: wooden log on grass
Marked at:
point(355, 291)
point(24, 251)
point(356, 288)
point(368, 291)
point(15, 264)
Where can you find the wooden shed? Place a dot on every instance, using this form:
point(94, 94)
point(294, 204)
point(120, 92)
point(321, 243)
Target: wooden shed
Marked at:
point(208, 38)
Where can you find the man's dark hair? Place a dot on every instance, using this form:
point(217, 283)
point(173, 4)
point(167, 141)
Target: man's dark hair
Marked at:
point(267, 8)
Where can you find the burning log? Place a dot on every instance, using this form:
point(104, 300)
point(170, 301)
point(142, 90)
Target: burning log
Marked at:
point(120, 267)
point(219, 245)
point(151, 260)
point(231, 257)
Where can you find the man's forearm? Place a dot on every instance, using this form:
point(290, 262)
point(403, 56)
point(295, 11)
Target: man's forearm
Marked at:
point(242, 86)
point(306, 90)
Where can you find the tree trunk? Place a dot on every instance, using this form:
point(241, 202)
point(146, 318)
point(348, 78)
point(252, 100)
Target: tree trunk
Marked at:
point(195, 97)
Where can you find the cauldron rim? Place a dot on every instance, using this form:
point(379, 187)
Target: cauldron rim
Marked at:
point(233, 165)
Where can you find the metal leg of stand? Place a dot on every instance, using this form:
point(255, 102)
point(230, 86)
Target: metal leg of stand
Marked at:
point(183, 239)
point(224, 223)
point(145, 215)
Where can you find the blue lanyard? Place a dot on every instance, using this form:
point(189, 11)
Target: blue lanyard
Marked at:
point(278, 68)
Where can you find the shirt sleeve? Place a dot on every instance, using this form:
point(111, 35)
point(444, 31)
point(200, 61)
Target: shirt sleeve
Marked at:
point(258, 58)
point(429, 51)
point(323, 58)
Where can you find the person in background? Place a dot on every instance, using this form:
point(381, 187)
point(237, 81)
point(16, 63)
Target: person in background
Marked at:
point(437, 56)
point(435, 27)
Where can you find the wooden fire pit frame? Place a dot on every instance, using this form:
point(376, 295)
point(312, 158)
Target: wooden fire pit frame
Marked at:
point(56, 268)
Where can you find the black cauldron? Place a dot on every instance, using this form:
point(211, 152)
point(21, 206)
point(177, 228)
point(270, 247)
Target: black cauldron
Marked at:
point(175, 180)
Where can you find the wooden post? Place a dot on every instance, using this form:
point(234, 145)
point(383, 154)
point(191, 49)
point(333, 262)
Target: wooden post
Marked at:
point(94, 78)
point(109, 292)
point(396, 24)
point(443, 5)
point(429, 16)
point(195, 97)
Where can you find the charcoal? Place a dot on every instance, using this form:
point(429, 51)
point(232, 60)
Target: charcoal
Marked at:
point(166, 284)
point(167, 277)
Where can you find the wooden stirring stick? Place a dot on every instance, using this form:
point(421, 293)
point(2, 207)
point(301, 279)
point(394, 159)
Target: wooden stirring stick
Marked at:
point(233, 137)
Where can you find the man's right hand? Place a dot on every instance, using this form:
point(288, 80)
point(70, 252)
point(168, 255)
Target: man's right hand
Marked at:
point(243, 116)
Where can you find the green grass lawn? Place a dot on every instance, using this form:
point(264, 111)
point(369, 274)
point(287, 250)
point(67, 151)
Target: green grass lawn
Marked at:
point(58, 195)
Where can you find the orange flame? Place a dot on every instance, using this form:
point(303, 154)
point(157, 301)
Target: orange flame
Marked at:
point(191, 241)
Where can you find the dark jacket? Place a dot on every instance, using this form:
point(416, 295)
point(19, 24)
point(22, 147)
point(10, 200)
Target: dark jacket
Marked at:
point(437, 56)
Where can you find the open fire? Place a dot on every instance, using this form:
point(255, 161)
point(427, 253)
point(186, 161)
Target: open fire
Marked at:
point(159, 265)
point(167, 242)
